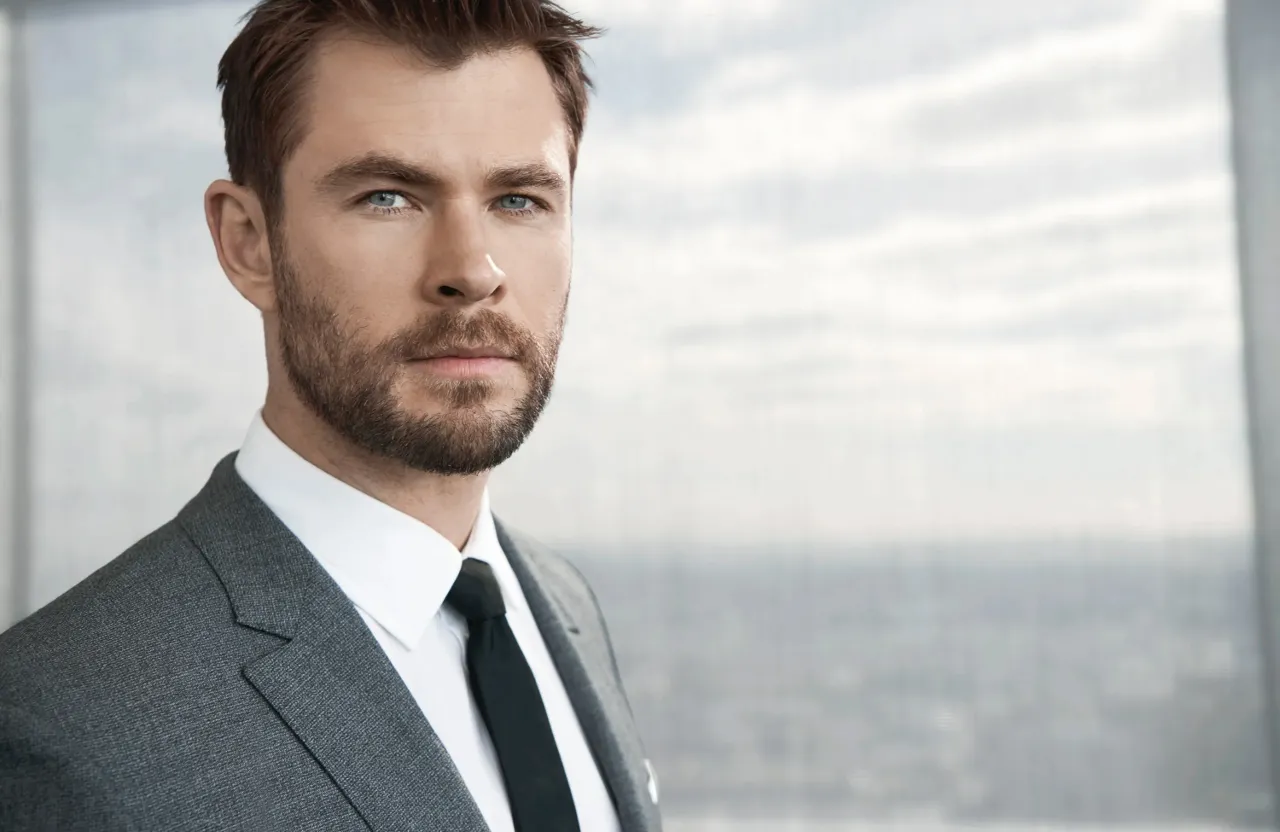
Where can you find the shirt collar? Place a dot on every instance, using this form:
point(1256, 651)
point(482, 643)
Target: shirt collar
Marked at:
point(395, 568)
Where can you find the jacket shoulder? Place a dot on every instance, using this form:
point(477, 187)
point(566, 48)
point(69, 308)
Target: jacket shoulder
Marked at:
point(560, 574)
point(115, 621)
point(46, 783)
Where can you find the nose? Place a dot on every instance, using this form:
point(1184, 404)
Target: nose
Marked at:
point(460, 270)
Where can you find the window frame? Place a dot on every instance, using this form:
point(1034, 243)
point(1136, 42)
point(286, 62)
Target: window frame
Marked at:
point(1252, 51)
point(15, 313)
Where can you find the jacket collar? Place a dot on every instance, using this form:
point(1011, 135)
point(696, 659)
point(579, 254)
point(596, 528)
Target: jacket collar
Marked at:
point(329, 681)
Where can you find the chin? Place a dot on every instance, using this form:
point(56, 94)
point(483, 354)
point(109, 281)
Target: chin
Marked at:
point(427, 405)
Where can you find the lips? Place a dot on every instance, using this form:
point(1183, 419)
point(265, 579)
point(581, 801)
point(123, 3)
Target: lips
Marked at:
point(475, 364)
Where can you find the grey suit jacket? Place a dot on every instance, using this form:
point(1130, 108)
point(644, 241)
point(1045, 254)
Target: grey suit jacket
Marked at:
point(214, 677)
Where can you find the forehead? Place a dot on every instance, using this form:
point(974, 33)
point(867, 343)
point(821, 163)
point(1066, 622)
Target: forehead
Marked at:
point(365, 96)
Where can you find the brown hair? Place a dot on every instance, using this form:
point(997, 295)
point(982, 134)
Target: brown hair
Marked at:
point(263, 72)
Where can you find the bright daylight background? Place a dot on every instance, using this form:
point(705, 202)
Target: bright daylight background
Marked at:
point(899, 420)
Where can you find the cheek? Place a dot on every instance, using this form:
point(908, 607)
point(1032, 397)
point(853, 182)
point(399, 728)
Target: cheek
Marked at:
point(366, 307)
point(537, 271)
point(365, 274)
point(542, 293)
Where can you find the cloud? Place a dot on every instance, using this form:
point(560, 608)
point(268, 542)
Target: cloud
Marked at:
point(778, 115)
point(750, 329)
point(1087, 311)
point(897, 301)
point(732, 266)
point(1047, 54)
point(682, 24)
point(653, 474)
point(120, 303)
point(155, 111)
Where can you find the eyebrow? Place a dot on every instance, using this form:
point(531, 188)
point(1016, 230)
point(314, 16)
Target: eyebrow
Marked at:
point(385, 167)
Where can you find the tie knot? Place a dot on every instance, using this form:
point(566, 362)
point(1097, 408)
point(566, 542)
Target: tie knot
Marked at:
point(475, 594)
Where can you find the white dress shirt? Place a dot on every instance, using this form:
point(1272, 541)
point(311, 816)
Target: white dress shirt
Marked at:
point(397, 571)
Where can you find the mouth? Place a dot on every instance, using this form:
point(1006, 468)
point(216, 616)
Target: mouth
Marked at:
point(466, 363)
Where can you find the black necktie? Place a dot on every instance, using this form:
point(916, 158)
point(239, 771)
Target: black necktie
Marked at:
point(508, 698)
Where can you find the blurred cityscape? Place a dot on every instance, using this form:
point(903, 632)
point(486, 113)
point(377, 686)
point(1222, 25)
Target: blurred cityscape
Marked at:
point(1020, 686)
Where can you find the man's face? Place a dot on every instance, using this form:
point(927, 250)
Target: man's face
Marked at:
point(401, 241)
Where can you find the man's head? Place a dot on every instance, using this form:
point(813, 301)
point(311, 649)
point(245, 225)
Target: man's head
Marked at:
point(401, 191)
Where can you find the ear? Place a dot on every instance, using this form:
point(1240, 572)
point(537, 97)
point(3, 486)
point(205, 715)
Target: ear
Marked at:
point(238, 226)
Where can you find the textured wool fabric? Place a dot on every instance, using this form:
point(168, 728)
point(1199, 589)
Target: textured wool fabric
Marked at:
point(213, 677)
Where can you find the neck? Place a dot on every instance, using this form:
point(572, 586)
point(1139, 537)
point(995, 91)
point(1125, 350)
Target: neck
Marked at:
point(448, 504)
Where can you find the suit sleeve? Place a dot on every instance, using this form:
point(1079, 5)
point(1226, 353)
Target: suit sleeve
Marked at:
point(46, 786)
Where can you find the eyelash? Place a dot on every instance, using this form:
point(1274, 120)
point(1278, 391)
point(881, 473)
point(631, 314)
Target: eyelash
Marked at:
point(538, 205)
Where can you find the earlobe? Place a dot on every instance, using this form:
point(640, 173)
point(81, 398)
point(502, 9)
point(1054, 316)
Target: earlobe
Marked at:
point(237, 225)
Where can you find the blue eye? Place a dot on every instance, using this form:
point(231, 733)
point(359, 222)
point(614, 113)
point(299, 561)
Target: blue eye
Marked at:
point(523, 204)
point(385, 200)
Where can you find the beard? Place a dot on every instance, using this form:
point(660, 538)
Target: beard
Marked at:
point(352, 386)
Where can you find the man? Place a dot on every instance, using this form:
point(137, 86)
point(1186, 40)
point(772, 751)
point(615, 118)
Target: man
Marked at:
point(335, 633)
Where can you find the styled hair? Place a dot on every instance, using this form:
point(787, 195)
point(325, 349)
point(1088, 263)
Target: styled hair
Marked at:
point(264, 73)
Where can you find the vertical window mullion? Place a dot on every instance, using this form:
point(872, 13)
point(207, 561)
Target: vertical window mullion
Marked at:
point(1253, 56)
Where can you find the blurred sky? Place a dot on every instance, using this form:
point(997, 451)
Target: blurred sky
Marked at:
point(845, 272)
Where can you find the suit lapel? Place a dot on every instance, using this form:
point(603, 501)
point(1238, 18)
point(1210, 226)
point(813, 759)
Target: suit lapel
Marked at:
point(329, 681)
point(585, 667)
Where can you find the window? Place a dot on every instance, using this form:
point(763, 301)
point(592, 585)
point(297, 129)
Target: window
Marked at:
point(899, 422)
point(147, 360)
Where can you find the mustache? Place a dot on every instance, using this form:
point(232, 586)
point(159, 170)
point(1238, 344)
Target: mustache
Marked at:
point(453, 330)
